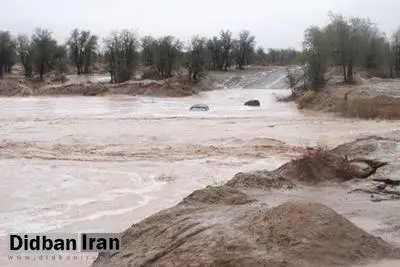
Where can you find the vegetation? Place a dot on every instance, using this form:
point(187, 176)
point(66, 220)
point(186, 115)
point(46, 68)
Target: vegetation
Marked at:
point(7, 52)
point(121, 52)
point(348, 43)
point(275, 56)
point(44, 51)
point(307, 98)
point(196, 58)
point(82, 50)
point(121, 55)
point(25, 51)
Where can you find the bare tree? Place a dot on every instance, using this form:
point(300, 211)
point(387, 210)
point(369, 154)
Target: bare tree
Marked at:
point(338, 33)
point(25, 52)
point(121, 55)
point(196, 58)
point(167, 55)
point(215, 50)
point(7, 52)
point(396, 49)
point(244, 49)
point(294, 75)
point(82, 45)
point(148, 48)
point(316, 52)
point(226, 43)
point(44, 50)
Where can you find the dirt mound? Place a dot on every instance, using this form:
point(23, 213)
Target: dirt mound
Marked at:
point(293, 234)
point(319, 165)
point(260, 179)
point(231, 225)
point(217, 195)
point(314, 166)
point(316, 235)
point(14, 87)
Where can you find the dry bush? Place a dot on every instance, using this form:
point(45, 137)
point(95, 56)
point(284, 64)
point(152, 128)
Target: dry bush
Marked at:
point(150, 74)
point(307, 99)
point(320, 164)
point(371, 108)
point(59, 77)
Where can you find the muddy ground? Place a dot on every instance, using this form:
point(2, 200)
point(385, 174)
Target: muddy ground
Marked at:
point(369, 98)
point(98, 85)
point(237, 225)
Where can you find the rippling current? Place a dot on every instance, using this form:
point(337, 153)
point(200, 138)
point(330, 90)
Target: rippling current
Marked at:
point(103, 163)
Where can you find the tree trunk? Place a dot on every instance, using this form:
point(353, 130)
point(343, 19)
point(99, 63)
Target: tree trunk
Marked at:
point(1, 70)
point(190, 76)
point(41, 71)
point(344, 72)
point(350, 72)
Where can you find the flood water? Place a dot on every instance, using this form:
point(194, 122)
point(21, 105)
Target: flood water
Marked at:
point(101, 164)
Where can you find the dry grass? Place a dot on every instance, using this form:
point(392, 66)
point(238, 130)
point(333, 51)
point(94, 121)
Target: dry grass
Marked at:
point(306, 99)
point(150, 74)
point(320, 164)
point(59, 77)
point(370, 108)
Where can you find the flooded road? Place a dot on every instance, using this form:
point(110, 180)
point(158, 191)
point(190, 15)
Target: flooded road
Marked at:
point(100, 164)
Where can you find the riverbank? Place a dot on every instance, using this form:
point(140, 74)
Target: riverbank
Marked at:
point(165, 88)
point(97, 85)
point(369, 98)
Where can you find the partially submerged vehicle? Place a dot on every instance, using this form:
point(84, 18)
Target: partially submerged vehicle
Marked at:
point(252, 103)
point(199, 107)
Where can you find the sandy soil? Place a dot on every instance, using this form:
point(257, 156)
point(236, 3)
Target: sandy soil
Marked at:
point(97, 84)
point(370, 98)
point(248, 221)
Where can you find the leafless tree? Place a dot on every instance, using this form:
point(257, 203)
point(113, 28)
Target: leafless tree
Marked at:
point(121, 55)
point(7, 52)
point(196, 58)
point(44, 50)
point(82, 45)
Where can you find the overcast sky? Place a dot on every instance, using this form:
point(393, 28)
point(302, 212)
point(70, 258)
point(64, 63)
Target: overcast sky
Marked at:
point(275, 23)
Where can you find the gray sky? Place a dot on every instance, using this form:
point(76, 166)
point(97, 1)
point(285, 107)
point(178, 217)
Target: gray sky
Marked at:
point(278, 23)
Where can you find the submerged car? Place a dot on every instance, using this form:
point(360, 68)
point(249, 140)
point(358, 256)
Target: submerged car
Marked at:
point(199, 107)
point(252, 103)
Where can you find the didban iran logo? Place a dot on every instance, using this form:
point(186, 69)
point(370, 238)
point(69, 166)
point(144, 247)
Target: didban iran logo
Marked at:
point(56, 242)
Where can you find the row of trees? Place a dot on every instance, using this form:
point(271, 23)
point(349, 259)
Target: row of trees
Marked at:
point(348, 43)
point(123, 51)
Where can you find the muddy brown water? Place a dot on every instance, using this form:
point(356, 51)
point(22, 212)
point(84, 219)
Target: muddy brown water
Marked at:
point(75, 164)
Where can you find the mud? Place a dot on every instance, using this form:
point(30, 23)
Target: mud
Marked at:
point(372, 98)
point(231, 225)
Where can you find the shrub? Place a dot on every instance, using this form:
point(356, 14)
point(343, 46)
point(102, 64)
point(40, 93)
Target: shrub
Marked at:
point(60, 77)
point(307, 98)
point(150, 74)
point(320, 164)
